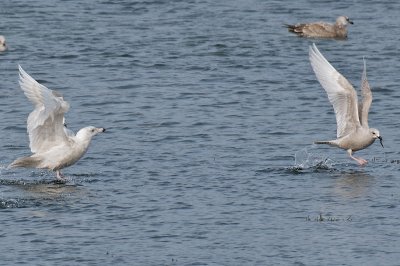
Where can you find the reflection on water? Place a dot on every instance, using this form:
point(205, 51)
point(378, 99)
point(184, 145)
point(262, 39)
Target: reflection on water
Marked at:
point(21, 193)
point(50, 190)
point(353, 184)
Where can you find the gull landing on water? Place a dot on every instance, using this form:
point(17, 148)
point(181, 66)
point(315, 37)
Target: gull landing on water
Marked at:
point(54, 147)
point(353, 133)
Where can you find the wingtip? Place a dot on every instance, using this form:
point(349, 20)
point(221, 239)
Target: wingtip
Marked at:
point(23, 76)
point(364, 73)
point(313, 45)
point(316, 56)
point(21, 71)
point(313, 49)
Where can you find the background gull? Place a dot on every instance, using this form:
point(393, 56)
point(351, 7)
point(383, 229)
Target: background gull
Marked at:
point(353, 133)
point(3, 45)
point(53, 145)
point(322, 29)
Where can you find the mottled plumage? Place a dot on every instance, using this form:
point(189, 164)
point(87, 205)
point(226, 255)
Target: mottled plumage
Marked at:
point(322, 29)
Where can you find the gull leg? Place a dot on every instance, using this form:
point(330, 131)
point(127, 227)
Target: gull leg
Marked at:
point(360, 161)
point(60, 177)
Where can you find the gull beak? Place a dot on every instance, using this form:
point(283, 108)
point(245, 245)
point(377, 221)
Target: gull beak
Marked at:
point(380, 139)
point(349, 21)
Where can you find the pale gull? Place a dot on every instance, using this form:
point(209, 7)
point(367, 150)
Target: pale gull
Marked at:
point(322, 29)
point(54, 147)
point(353, 133)
point(3, 45)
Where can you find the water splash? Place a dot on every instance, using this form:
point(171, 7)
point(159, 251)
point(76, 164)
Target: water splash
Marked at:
point(304, 159)
point(9, 203)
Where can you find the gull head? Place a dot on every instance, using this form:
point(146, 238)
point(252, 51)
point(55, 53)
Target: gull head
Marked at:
point(87, 133)
point(375, 135)
point(343, 21)
point(2, 43)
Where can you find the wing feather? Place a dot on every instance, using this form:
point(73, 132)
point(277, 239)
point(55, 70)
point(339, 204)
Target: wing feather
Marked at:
point(45, 122)
point(366, 98)
point(340, 92)
point(318, 29)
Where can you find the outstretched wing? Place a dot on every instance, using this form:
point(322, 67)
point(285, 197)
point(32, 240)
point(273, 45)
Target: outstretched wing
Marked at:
point(363, 108)
point(45, 122)
point(340, 92)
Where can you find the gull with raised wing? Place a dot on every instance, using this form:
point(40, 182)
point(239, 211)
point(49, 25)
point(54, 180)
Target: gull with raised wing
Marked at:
point(322, 29)
point(54, 147)
point(353, 133)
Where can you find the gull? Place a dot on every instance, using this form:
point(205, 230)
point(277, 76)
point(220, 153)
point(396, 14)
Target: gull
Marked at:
point(3, 45)
point(353, 133)
point(322, 29)
point(54, 147)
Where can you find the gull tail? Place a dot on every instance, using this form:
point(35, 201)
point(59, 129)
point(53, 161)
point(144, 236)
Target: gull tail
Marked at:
point(298, 28)
point(329, 142)
point(291, 28)
point(25, 162)
point(322, 142)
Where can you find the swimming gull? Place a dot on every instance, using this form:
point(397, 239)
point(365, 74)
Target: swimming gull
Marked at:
point(54, 147)
point(322, 29)
point(353, 133)
point(3, 45)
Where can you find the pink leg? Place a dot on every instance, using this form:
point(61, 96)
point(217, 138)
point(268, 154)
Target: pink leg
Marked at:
point(360, 161)
point(60, 177)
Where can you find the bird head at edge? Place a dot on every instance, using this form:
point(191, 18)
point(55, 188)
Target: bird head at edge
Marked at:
point(89, 132)
point(376, 135)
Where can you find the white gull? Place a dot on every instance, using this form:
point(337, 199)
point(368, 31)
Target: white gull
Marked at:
point(54, 147)
point(353, 133)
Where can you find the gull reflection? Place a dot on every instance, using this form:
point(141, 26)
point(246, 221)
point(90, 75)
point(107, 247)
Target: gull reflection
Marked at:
point(353, 184)
point(39, 190)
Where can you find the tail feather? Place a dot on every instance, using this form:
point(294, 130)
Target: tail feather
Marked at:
point(25, 162)
point(323, 142)
point(333, 143)
point(290, 28)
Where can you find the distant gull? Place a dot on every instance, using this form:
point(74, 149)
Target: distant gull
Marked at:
point(54, 147)
point(3, 45)
point(353, 133)
point(322, 29)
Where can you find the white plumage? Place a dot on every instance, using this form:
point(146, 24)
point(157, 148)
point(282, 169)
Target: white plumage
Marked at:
point(53, 145)
point(353, 133)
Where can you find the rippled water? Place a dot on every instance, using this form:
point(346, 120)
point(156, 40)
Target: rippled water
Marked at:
point(211, 110)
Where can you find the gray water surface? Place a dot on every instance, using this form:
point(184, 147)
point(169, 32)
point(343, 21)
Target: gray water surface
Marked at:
point(211, 109)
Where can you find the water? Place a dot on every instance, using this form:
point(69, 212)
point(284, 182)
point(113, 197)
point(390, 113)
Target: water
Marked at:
point(211, 110)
